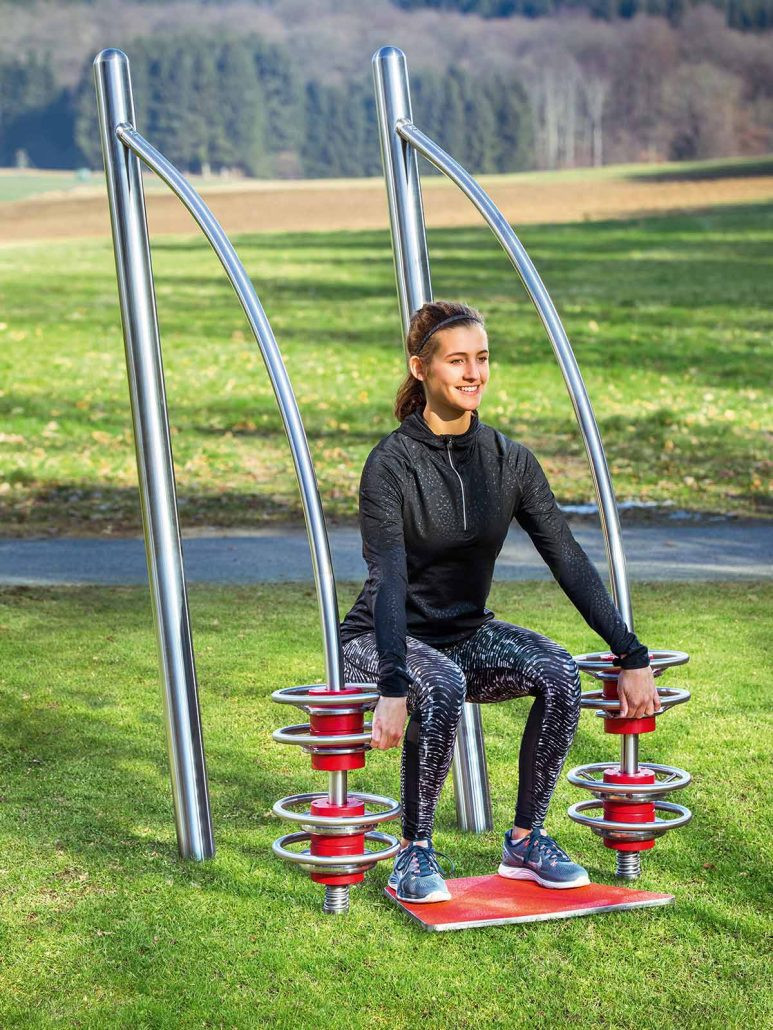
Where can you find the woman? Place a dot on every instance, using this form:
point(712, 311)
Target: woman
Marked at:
point(436, 499)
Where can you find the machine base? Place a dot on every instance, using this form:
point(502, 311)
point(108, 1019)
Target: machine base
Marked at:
point(495, 901)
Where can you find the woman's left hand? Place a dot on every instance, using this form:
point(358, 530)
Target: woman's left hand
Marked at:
point(638, 693)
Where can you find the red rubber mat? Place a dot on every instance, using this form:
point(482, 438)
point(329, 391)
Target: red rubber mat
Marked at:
point(494, 901)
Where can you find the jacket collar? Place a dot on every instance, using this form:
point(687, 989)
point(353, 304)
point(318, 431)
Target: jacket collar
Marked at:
point(415, 426)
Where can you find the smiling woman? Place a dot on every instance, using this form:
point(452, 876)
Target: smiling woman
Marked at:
point(456, 364)
point(436, 500)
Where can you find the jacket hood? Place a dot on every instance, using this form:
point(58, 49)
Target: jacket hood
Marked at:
point(416, 427)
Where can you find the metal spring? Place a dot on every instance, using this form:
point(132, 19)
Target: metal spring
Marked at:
point(336, 901)
point(628, 865)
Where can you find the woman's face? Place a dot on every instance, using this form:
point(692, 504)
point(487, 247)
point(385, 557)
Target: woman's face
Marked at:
point(458, 372)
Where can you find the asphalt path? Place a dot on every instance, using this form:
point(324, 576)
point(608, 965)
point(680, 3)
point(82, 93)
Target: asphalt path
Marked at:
point(706, 550)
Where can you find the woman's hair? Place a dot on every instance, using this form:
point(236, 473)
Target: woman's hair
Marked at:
point(422, 341)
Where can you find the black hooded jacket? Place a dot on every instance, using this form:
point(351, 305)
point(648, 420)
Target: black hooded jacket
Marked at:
point(434, 514)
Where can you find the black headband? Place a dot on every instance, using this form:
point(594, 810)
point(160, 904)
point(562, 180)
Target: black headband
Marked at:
point(446, 322)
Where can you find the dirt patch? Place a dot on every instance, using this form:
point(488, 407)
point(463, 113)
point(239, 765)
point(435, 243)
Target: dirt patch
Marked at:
point(326, 206)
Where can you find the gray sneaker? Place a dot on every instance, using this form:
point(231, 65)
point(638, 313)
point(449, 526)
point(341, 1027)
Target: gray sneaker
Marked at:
point(538, 857)
point(394, 876)
point(417, 876)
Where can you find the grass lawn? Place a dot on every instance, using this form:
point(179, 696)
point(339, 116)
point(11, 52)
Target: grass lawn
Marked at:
point(670, 319)
point(16, 184)
point(104, 927)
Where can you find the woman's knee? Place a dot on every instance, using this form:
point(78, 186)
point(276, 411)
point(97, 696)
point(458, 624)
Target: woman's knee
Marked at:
point(440, 687)
point(360, 659)
point(560, 676)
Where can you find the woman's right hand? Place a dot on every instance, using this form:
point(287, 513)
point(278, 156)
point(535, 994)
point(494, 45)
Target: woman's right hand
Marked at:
point(389, 718)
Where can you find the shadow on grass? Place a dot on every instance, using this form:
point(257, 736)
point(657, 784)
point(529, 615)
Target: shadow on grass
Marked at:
point(717, 170)
point(79, 508)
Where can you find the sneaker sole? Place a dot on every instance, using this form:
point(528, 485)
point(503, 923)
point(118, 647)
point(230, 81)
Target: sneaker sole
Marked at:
point(434, 896)
point(511, 873)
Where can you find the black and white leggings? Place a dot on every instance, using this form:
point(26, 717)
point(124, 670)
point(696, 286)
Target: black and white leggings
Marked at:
point(497, 663)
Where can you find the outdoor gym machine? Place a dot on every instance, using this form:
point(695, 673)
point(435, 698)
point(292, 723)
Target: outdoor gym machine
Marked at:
point(336, 824)
point(631, 793)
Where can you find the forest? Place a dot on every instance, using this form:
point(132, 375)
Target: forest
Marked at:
point(740, 14)
point(539, 93)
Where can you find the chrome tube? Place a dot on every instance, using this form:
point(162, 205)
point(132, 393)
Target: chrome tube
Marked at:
point(154, 462)
point(471, 784)
point(401, 173)
point(610, 522)
point(629, 753)
point(338, 789)
point(414, 288)
point(288, 407)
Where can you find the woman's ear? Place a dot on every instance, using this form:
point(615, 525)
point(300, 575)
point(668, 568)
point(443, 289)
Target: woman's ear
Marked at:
point(415, 367)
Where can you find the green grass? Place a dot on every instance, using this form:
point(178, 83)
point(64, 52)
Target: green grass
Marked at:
point(21, 185)
point(104, 927)
point(670, 319)
point(25, 184)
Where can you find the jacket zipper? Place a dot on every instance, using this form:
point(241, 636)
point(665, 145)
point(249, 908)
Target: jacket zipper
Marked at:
point(461, 484)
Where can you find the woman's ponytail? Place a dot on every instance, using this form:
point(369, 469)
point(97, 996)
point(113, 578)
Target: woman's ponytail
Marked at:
point(410, 397)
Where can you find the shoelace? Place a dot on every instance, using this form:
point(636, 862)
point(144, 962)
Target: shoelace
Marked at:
point(546, 847)
point(423, 861)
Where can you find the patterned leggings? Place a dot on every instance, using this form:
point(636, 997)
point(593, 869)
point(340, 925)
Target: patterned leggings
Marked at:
point(497, 663)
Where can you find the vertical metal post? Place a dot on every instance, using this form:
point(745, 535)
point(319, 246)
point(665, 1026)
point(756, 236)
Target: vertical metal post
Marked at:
point(154, 460)
point(403, 185)
point(414, 288)
point(629, 753)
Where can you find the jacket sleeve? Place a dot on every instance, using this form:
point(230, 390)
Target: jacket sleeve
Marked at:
point(383, 548)
point(536, 511)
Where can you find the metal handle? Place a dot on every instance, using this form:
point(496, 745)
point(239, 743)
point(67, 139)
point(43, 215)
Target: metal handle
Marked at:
point(334, 863)
point(284, 809)
point(637, 831)
point(297, 735)
point(367, 696)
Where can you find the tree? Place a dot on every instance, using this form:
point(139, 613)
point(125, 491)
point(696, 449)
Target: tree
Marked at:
point(480, 125)
point(283, 98)
point(452, 131)
point(242, 111)
point(35, 114)
point(701, 110)
point(512, 118)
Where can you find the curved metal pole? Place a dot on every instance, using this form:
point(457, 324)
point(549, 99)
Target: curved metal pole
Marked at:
point(288, 407)
point(610, 521)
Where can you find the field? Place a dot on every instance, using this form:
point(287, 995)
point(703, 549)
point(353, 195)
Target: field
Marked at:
point(670, 318)
point(103, 926)
point(77, 210)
